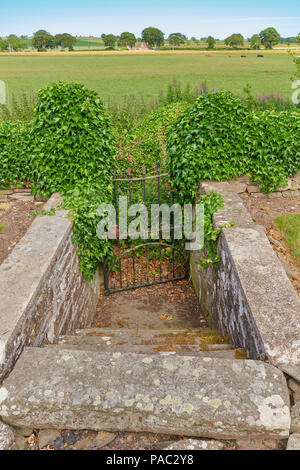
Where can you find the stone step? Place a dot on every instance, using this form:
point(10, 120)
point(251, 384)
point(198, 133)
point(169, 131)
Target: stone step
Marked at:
point(148, 340)
point(161, 393)
point(137, 349)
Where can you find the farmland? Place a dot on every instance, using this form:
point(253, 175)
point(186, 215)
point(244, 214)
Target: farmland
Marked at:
point(115, 75)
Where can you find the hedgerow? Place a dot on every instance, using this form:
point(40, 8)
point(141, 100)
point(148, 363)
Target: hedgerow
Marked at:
point(219, 137)
point(69, 148)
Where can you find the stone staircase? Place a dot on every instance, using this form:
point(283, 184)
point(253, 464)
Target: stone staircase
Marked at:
point(200, 342)
point(183, 382)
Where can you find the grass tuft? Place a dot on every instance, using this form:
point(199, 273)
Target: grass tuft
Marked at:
point(289, 224)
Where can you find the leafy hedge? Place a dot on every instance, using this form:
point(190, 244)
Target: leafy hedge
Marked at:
point(15, 157)
point(73, 139)
point(74, 153)
point(274, 140)
point(69, 148)
point(219, 137)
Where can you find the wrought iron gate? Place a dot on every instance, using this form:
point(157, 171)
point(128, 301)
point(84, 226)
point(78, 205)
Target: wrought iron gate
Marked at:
point(142, 263)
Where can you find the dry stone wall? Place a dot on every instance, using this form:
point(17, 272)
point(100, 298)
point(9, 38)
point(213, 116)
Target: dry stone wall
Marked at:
point(249, 295)
point(43, 293)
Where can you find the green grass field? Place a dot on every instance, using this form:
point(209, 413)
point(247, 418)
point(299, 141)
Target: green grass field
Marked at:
point(118, 75)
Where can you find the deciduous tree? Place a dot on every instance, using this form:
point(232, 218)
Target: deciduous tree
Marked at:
point(109, 40)
point(3, 44)
point(43, 40)
point(153, 37)
point(269, 37)
point(255, 41)
point(65, 40)
point(127, 40)
point(16, 43)
point(176, 39)
point(211, 42)
point(234, 40)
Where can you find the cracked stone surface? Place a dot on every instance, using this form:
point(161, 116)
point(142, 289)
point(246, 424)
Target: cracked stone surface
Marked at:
point(165, 393)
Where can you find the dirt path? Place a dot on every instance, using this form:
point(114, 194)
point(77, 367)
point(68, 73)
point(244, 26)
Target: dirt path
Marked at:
point(14, 217)
point(171, 305)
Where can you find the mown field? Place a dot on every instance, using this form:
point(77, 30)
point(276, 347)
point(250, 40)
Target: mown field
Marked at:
point(115, 76)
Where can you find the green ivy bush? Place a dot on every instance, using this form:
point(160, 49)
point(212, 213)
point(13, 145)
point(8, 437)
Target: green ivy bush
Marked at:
point(219, 137)
point(74, 153)
point(73, 139)
point(273, 140)
point(69, 147)
point(15, 155)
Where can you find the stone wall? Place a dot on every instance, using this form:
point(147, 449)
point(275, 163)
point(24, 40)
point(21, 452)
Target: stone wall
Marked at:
point(249, 295)
point(242, 185)
point(43, 293)
point(16, 194)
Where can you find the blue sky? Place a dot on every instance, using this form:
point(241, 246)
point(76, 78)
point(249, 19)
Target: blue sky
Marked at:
point(193, 18)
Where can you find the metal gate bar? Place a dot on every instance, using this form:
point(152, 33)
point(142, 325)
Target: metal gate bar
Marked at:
point(109, 275)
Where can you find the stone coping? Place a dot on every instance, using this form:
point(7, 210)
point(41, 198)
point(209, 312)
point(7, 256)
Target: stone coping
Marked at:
point(160, 393)
point(249, 294)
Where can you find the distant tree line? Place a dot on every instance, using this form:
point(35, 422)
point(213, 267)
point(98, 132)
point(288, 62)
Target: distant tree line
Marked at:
point(269, 37)
point(154, 37)
point(42, 40)
point(12, 43)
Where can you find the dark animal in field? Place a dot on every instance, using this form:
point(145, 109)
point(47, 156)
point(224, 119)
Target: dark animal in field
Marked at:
point(243, 56)
point(230, 56)
point(259, 55)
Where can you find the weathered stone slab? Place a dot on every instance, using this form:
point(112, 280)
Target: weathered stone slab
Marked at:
point(164, 393)
point(7, 437)
point(195, 444)
point(47, 437)
point(25, 197)
point(293, 442)
point(43, 293)
point(291, 369)
point(259, 444)
point(295, 416)
point(233, 210)
point(249, 295)
point(210, 352)
point(148, 341)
